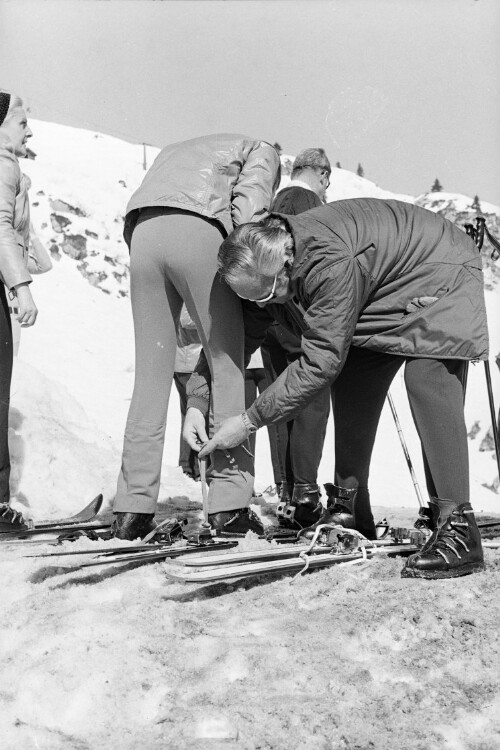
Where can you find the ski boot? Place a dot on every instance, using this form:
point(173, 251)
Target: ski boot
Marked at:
point(11, 519)
point(454, 548)
point(339, 510)
point(235, 522)
point(302, 509)
point(130, 526)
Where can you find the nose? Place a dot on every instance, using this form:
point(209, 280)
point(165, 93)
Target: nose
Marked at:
point(29, 132)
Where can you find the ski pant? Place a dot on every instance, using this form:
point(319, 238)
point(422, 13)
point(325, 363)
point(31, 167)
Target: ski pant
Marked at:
point(436, 396)
point(256, 381)
point(300, 440)
point(173, 259)
point(188, 458)
point(6, 356)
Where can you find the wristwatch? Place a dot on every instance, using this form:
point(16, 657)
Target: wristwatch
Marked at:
point(249, 425)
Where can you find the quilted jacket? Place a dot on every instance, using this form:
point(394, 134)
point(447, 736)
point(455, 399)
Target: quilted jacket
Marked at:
point(379, 274)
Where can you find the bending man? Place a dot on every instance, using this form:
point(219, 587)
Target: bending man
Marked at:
point(371, 285)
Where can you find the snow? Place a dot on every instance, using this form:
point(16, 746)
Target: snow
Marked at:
point(118, 656)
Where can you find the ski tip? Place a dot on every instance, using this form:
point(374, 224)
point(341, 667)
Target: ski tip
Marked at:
point(98, 501)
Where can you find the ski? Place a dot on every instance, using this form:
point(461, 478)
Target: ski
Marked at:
point(257, 555)
point(51, 531)
point(296, 564)
point(277, 553)
point(153, 555)
point(132, 549)
point(83, 516)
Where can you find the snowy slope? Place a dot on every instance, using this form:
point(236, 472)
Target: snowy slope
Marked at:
point(74, 376)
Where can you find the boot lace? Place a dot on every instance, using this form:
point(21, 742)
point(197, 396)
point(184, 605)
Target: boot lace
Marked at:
point(449, 536)
point(9, 514)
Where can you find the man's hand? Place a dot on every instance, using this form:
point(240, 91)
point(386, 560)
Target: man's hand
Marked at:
point(231, 433)
point(27, 308)
point(194, 432)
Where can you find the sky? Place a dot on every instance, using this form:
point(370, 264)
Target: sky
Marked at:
point(409, 89)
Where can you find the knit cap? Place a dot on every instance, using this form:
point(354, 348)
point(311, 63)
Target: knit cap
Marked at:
point(4, 105)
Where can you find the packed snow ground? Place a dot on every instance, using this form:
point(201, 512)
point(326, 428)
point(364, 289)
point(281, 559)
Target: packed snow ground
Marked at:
point(343, 659)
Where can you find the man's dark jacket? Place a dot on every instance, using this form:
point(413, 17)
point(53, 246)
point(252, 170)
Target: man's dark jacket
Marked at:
point(378, 274)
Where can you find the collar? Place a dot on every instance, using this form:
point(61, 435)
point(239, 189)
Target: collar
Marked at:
point(298, 183)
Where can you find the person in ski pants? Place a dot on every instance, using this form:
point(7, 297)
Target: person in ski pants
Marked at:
point(193, 195)
point(372, 285)
point(300, 440)
point(15, 277)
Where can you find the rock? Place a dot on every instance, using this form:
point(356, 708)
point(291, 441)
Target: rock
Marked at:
point(59, 222)
point(75, 246)
point(57, 204)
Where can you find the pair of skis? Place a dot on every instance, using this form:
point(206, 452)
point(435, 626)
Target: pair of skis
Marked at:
point(331, 546)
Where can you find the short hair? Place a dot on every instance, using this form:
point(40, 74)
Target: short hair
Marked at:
point(255, 250)
point(311, 158)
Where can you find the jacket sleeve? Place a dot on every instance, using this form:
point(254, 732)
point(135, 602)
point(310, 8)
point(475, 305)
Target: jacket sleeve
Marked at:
point(199, 385)
point(254, 190)
point(12, 265)
point(330, 323)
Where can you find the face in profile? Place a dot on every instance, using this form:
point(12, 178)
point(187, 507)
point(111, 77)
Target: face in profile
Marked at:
point(17, 128)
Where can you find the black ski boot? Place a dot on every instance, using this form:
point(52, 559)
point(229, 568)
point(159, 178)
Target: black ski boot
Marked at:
point(10, 519)
point(454, 548)
point(130, 526)
point(303, 509)
point(339, 510)
point(236, 522)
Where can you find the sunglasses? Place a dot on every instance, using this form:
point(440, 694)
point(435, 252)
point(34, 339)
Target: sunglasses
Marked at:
point(269, 297)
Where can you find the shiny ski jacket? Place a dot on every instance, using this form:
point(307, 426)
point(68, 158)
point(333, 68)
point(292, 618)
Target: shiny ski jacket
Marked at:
point(14, 217)
point(225, 177)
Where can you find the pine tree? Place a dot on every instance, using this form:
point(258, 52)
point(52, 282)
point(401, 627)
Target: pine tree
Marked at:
point(338, 165)
point(437, 187)
point(476, 206)
point(360, 171)
point(278, 148)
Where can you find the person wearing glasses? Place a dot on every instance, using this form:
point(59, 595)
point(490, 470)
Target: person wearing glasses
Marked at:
point(300, 440)
point(370, 285)
point(195, 193)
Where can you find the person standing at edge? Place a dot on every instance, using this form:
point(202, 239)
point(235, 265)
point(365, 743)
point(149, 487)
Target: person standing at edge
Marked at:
point(372, 285)
point(300, 441)
point(14, 244)
point(191, 198)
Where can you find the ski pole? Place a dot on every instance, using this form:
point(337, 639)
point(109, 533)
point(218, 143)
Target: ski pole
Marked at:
point(477, 235)
point(405, 451)
point(492, 412)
